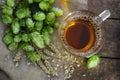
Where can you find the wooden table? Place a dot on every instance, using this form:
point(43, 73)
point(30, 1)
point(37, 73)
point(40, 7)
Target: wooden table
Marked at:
point(109, 67)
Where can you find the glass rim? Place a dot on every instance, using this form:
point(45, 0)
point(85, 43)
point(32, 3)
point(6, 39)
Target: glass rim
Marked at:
point(95, 48)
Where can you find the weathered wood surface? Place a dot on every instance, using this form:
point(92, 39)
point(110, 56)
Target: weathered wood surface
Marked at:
point(112, 43)
point(109, 67)
point(112, 25)
point(3, 75)
point(75, 5)
point(107, 70)
point(31, 72)
point(98, 6)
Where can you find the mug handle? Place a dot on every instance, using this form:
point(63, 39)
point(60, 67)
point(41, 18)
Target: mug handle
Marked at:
point(103, 16)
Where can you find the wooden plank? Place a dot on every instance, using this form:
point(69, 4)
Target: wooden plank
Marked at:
point(107, 70)
point(4, 76)
point(69, 6)
point(75, 5)
point(112, 43)
point(25, 72)
point(97, 6)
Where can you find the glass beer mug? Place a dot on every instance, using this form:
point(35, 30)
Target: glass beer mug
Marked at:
point(81, 32)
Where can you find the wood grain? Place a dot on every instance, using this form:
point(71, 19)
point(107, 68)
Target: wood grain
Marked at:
point(112, 43)
point(109, 67)
point(4, 76)
point(97, 6)
point(75, 5)
point(107, 70)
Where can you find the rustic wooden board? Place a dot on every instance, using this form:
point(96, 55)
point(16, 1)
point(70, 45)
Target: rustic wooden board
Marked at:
point(98, 6)
point(75, 5)
point(107, 70)
point(109, 67)
point(112, 43)
point(31, 72)
point(3, 75)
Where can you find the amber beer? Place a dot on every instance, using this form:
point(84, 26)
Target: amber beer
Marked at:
point(82, 34)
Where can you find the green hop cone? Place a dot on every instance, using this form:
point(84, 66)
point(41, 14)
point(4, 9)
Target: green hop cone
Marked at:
point(38, 26)
point(17, 38)
point(22, 22)
point(58, 12)
point(93, 61)
point(27, 47)
point(38, 40)
point(29, 23)
point(30, 1)
point(51, 1)
point(49, 29)
point(10, 3)
point(23, 12)
point(7, 19)
point(37, 0)
point(7, 10)
point(50, 18)
point(15, 27)
point(33, 56)
point(56, 24)
point(46, 37)
point(26, 37)
point(39, 16)
point(44, 6)
point(13, 46)
point(8, 38)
